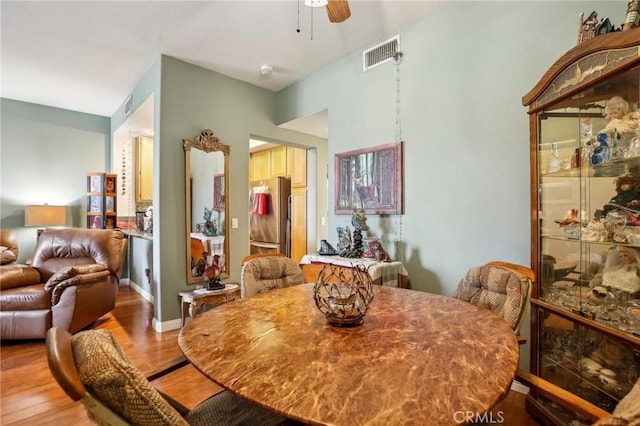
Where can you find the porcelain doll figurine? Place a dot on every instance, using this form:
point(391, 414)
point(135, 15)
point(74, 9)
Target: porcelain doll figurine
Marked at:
point(621, 272)
point(627, 194)
point(616, 108)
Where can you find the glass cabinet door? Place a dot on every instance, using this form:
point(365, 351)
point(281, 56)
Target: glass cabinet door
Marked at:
point(586, 362)
point(589, 203)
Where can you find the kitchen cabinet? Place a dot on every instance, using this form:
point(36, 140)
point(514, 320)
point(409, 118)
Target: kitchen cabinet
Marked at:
point(144, 169)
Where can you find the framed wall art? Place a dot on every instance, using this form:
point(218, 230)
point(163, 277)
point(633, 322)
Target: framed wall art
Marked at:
point(218, 192)
point(369, 179)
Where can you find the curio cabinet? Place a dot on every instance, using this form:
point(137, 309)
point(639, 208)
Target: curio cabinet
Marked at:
point(585, 198)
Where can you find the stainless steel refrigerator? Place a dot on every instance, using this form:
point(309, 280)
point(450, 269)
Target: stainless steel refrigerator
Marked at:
point(269, 223)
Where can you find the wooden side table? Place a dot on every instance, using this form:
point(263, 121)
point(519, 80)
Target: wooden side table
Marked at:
point(196, 299)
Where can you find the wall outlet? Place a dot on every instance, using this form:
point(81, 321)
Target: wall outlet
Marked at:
point(234, 222)
point(147, 273)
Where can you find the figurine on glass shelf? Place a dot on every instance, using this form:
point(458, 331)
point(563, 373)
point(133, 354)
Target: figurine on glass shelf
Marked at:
point(620, 275)
point(359, 222)
point(601, 153)
point(621, 125)
point(212, 274)
point(571, 225)
point(627, 194)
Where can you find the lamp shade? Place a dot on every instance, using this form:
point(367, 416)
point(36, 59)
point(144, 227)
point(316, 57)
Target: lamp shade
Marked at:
point(45, 215)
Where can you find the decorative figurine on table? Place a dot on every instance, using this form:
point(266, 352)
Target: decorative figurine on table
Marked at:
point(359, 222)
point(620, 275)
point(326, 248)
point(381, 253)
point(212, 274)
point(344, 237)
point(210, 227)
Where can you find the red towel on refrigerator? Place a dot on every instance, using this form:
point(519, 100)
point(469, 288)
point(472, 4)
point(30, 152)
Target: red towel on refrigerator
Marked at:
point(260, 203)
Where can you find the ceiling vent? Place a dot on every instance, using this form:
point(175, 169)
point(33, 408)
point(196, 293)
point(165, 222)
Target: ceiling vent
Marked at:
point(381, 53)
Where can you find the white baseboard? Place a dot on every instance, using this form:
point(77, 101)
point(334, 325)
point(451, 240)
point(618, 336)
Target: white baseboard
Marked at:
point(158, 326)
point(519, 387)
point(142, 292)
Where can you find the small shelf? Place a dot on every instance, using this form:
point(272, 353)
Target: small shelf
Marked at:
point(101, 211)
point(612, 168)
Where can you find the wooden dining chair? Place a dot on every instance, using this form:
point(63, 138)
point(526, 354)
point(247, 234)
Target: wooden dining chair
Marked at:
point(263, 273)
point(91, 368)
point(504, 288)
point(257, 255)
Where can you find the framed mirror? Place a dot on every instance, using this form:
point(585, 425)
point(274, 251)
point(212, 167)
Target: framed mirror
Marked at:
point(206, 188)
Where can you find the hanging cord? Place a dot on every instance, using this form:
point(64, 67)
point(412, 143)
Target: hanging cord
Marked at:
point(398, 59)
point(298, 27)
point(312, 22)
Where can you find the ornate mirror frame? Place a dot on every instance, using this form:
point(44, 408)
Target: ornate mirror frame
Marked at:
point(206, 142)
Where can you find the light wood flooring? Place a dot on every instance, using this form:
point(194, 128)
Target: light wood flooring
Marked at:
point(30, 396)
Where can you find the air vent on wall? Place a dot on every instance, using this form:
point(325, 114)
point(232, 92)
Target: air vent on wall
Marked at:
point(381, 53)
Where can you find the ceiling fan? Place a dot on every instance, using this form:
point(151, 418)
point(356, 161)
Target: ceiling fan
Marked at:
point(337, 10)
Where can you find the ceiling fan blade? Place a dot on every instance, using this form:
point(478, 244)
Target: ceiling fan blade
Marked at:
point(338, 10)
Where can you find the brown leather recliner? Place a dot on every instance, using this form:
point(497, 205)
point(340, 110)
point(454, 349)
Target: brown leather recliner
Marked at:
point(8, 247)
point(72, 281)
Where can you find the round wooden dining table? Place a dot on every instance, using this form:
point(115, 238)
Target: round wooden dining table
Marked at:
point(418, 358)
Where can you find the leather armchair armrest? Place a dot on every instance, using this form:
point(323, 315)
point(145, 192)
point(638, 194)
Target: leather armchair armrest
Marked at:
point(74, 276)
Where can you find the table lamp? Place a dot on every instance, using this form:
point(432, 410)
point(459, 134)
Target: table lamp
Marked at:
point(45, 215)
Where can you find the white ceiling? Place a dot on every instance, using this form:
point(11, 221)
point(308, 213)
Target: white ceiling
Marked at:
point(88, 55)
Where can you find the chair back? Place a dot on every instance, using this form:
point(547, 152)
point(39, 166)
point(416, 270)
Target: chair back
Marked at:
point(92, 368)
point(504, 288)
point(263, 273)
point(256, 255)
point(59, 248)
point(63, 368)
point(9, 244)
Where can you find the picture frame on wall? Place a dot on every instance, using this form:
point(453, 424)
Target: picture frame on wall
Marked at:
point(110, 203)
point(369, 179)
point(94, 183)
point(95, 221)
point(218, 192)
point(95, 203)
point(110, 183)
point(110, 222)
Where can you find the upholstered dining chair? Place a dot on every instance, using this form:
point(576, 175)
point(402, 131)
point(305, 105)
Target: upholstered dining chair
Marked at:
point(262, 273)
point(504, 288)
point(91, 367)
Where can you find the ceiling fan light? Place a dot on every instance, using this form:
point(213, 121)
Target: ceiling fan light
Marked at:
point(315, 3)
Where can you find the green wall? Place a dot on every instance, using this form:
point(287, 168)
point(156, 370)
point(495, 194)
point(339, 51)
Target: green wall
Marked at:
point(45, 154)
point(466, 134)
point(465, 131)
point(192, 99)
